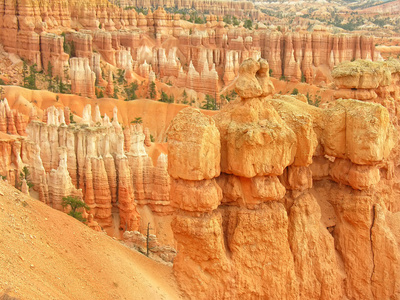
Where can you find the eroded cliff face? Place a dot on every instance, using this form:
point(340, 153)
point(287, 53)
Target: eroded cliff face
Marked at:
point(189, 56)
point(88, 160)
point(304, 206)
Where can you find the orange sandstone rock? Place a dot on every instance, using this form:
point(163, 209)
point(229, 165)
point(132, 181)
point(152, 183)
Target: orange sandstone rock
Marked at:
point(193, 146)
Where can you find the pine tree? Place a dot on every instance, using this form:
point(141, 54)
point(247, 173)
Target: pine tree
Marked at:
point(185, 97)
point(29, 81)
point(248, 24)
point(209, 103)
point(75, 203)
point(49, 77)
point(121, 76)
point(25, 74)
point(131, 91)
point(153, 90)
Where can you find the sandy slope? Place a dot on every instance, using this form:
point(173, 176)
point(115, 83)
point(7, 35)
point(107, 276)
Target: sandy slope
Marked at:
point(45, 254)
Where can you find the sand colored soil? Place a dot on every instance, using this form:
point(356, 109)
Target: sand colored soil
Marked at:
point(46, 254)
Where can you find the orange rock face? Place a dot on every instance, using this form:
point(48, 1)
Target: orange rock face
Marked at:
point(195, 153)
point(88, 160)
point(191, 57)
point(285, 214)
point(82, 77)
point(53, 54)
point(11, 121)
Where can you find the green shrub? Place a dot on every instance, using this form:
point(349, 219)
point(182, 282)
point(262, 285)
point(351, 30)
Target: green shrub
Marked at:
point(74, 203)
point(316, 102)
point(138, 120)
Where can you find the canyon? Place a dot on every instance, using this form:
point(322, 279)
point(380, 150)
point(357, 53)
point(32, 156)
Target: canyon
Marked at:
point(270, 196)
point(268, 168)
point(201, 58)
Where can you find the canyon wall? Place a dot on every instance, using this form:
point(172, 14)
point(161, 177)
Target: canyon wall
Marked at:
point(89, 160)
point(186, 55)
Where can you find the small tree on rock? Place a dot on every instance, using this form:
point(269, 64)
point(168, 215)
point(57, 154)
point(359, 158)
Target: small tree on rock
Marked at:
point(184, 97)
point(25, 74)
point(25, 174)
point(49, 77)
point(32, 77)
point(121, 76)
point(75, 203)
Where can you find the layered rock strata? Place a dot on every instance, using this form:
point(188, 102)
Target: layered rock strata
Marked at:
point(299, 198)
point(11, 121)
point(369, 81)
point(193, 57)
point(82, 77)
point(88, 160)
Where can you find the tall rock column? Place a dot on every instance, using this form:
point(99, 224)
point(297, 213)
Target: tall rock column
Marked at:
point(129, 216)
point(82, 77)
point(256, 147)
point(193, 162)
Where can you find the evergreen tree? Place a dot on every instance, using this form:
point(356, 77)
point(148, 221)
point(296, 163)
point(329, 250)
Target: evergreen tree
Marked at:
point(116, 91)
point(131, 91)
point(303, 78)
point(121, 76)
point(75, 203)
point(29, 81)
point(167, 99)
point(164, 97)
point(248, 24)
point(66, 77)
point(185, 97)
point(227, 19)
point(153, 90)
point(209, 103)
point(49, 77)
point(25, 174)
point(25, 74)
